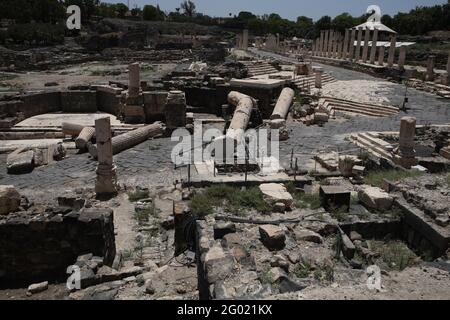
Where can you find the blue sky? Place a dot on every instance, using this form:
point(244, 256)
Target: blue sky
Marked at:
point(290, 9)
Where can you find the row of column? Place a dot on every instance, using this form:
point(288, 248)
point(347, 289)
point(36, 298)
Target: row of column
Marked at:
point(331, 44)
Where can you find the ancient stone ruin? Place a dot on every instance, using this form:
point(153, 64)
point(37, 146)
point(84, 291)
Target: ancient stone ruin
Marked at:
point(176, 160)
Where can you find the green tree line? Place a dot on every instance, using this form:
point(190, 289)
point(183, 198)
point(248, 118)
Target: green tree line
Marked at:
point(418, 21)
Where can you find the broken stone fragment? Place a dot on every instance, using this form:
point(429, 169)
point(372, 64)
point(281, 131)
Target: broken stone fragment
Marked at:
point(355, 236)
point(21, 162)
point(223, 228)
point(279, 207)
point(272, 237)
point(302, 234)
point(218, 264)
point(280, 262)
point(9, 200)
point(348, 248)
point(275, 192)
point(149, 288)
point(276, 274)
point(38, 287)
point(375, 198)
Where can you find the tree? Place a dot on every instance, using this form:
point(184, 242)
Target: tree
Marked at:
point(152, 13)
point(323, 23)
point(121, 10)
point(245, 16)
point(344, 21)
point(305, 26)
point(188, 7)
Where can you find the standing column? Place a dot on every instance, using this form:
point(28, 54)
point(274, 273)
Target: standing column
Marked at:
point(106, 184)
point(358, 44)
point(391, 56)
point(336, 44)
point(448, 71)
point(325, 44)
point(351, 50)
point(381, 56)
point(405, 154)
point(134, 80)
point(278, 42)
point(339, 47)
point(318, 77)
point(345, 45)
point(430, 68)
point(402, 57)
point(321, 39)
point(330, 44)
point(373, 49)
point(245, 39)
point(366, 45)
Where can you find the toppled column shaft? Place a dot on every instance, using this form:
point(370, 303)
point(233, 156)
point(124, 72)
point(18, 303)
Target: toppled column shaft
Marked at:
point(84, 137)
point(244, 105)
point(71, 129)
point(283, 104)
point(132, 138)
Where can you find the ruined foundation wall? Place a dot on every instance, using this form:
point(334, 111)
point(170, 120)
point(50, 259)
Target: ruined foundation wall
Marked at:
point(34, 248)
point(79, 101)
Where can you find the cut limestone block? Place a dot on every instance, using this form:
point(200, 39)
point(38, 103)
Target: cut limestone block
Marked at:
point(20, 162)
point(303, 234)
point(375, 198)
point(275, 192)
point(445, 152)
point(9, 199)
point(335, 197)
point(272, 237)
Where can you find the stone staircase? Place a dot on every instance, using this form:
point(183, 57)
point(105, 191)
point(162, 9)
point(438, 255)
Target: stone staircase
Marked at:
point(306, 82)
point(371, 142)
point(335, 104)
point(257, 68)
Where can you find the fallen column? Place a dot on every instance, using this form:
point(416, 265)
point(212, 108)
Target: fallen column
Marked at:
point(224, 146)
point(71, 129)
point(283, 104)
point(84, 137)
point(244, 106)
point(130, 139)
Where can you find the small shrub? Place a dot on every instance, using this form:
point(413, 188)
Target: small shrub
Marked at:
point(375, 178)
point(144, 214)
point(395, 254)
point(303, 269)
point(234, 200)
point(201, 205)
point(138, 195)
